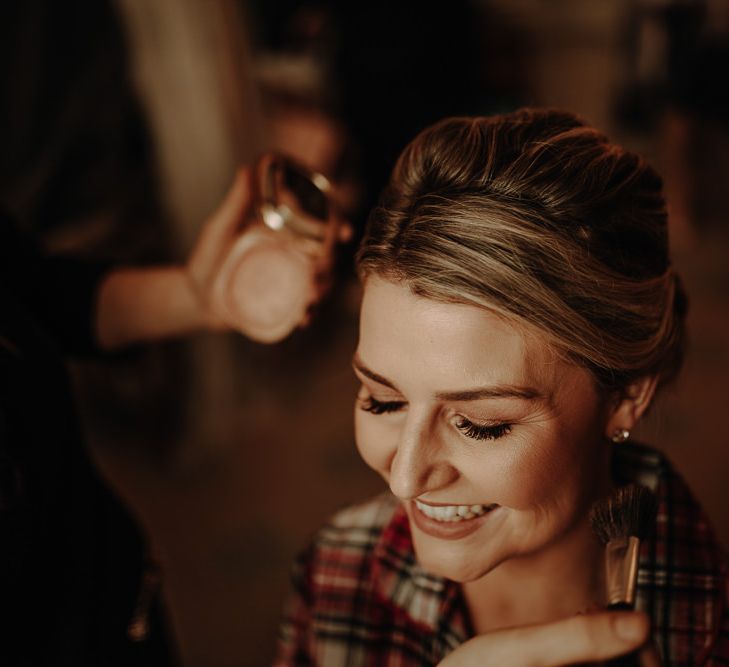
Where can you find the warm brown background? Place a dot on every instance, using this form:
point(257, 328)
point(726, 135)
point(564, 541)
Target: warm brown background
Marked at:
point(232, 453)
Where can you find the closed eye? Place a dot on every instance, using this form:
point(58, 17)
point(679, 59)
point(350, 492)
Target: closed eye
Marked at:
point(376, 407)
point(482, 431)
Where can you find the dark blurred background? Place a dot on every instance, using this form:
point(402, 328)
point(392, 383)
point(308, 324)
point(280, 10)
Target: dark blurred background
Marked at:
point(121, 125)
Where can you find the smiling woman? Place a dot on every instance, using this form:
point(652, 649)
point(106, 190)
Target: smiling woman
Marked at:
point(473, 429)
point(519, 312)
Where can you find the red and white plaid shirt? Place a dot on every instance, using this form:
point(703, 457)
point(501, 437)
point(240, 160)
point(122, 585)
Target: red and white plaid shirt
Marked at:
point(361, 599)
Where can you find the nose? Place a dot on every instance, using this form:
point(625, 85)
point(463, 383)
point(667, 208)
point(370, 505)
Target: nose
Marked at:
point(419, 463)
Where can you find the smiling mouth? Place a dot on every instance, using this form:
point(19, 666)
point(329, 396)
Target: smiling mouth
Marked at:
point(453, 513)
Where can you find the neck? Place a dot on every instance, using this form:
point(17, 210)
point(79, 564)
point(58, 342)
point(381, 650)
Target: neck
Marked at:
point(564, 579)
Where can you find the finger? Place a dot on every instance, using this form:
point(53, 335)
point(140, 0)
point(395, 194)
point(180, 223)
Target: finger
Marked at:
point(587, 638)
point(222, 226)
point(234, 206)
point(223, 223)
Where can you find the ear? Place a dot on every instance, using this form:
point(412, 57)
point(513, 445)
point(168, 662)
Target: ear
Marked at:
point(630, 405)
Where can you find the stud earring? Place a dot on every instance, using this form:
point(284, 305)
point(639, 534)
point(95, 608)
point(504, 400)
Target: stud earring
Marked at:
point(620, 435)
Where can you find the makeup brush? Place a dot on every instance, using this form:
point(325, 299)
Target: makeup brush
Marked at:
point(621, 522)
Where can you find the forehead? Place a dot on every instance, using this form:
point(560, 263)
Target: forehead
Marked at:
point(411, 339)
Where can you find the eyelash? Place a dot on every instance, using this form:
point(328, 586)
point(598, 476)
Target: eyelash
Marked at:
point(376, 407)
point(465, 426)
point(481, 431)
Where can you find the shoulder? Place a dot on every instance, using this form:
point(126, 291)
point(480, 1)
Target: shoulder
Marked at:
point(354, 530)
point(682, 575)
point(336, 580)
point(341, 554)
point(682, 526)
point(681, 521)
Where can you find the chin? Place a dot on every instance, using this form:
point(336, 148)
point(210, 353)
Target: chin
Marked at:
point(459, 567)
point(461, 573)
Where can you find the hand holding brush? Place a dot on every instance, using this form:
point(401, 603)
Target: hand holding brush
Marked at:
point(622, 522)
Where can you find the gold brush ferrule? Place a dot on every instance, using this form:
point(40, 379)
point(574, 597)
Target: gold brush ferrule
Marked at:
point(621, 569)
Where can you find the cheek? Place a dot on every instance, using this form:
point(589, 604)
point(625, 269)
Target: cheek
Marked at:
point(537, 470)
point(557, 470)
point(511, 477)
point(542, 482)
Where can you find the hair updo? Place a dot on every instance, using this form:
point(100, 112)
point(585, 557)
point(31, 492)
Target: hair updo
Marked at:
point(535, 216)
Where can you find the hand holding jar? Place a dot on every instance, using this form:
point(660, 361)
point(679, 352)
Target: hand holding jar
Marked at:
point(266, 255)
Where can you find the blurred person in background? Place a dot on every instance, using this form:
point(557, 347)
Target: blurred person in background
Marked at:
point(77, 182)
point(72, 558)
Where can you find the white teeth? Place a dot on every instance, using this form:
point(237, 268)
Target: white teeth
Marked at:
point(453, 513)
point(449, 512)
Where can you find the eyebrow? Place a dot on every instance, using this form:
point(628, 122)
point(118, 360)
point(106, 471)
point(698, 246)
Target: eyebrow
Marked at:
point(495, 391)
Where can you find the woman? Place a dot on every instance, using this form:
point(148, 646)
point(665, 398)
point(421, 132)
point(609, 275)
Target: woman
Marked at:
point(519, 313)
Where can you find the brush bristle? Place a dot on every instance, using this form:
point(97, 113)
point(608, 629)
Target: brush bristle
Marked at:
point(631, 510)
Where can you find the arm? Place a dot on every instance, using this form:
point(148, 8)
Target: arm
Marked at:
point(85, 305)
point(141, 304)
point(137, 304)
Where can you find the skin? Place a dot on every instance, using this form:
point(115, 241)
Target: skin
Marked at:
point(136, 304)
point(541, 453)
point(575, 640)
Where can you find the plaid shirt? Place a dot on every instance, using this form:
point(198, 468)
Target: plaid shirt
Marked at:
point(361, 599)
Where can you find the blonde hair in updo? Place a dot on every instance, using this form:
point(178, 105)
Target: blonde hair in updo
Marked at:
point(535, 216)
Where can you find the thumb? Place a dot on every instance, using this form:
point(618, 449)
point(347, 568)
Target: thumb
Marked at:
point(580, 639)
point(221, 227)
point(224, 221)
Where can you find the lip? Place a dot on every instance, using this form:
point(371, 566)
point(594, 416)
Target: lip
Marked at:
point(445, 530)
